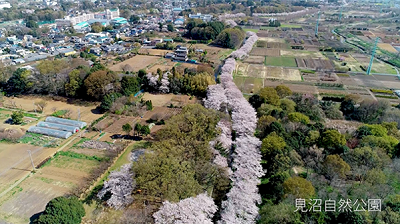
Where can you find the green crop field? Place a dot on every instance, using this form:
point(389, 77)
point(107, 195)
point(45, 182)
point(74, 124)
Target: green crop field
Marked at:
point(252, 30)
point(280, 61)
point(290, 26)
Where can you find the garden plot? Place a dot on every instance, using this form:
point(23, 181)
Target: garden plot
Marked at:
point(280, 61)
point(387, 47)
point(249, 84)
point(116, 127)
point(257, 51)
point(388, 81)
point(271, 39)
point(255, 59)
point(161, 113)
point(60, 176)
point(296, 88)
point(283, 73)
point(314, 63)
point(160, 100)
point(301, 53)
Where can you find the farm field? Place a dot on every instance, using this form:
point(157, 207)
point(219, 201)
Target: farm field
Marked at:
point(15, 162)
point(137, 62)
point(160, 100)
point(280, 61)
point(301, 53)
point(155, 52)
point(387, 47)
point(62, 175)
point(26, 103)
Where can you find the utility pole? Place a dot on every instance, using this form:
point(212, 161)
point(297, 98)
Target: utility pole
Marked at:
point(34, 106)
point(79, 114)
point(30, 155)
point(372, 56)
point(340, 15)
point(316, 27)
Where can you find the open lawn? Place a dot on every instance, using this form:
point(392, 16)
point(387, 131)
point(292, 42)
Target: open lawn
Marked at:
point(136, 63)
point(280, 61)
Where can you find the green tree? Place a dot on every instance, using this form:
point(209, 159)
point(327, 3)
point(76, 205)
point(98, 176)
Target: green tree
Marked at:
point(271, 143)
point(96, 84)
point(283, 91)
point(149, 105)
point(72, 87)
point(62, 210)
point(268, 109)
point(372, 129)
point(335, 165)
point(17, 117)
point(256, 101)
point(127, 128)
point(129, 85)
point(134, 19)
point(138, 128)
point(96, 27)
point(19, 83)
point(170, 28)
point(108, 100)
point(142, 73)
point(388, 143)
point(287, 105)
point(375, 176)
point(312, 137)
point(145, 130)
point(299, 117)
point(332, 139)
point(299, 187)
point(280, 213)
point(270, 96)
point(32, 24)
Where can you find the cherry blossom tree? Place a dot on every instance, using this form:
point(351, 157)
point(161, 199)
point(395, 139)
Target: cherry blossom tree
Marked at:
point(120, 185)
point(164, 83)
point(199, 209)
point(215, 97)
point(231, 23)
point(153, 80)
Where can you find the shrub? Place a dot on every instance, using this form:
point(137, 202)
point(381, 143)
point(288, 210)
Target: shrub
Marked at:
point(62, 210)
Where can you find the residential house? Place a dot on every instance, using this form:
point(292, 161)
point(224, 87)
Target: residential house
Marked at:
point(181, 54)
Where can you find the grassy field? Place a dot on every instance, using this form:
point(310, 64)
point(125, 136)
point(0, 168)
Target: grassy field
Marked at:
point(252, 30)
point(290, 26)
point(280, 61)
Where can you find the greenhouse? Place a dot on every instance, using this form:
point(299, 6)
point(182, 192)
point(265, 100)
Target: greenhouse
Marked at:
point(56, 126)
point(50, 132)
point(74, 123)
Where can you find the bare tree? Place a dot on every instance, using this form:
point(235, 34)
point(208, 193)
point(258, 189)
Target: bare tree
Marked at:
point(41, 105)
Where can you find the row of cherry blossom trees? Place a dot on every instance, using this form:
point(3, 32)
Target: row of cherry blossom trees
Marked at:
point(231, 23)
point(247, 46)
point(281, 14)
point(242, 200)
point(231, 16)
point(199, 209)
